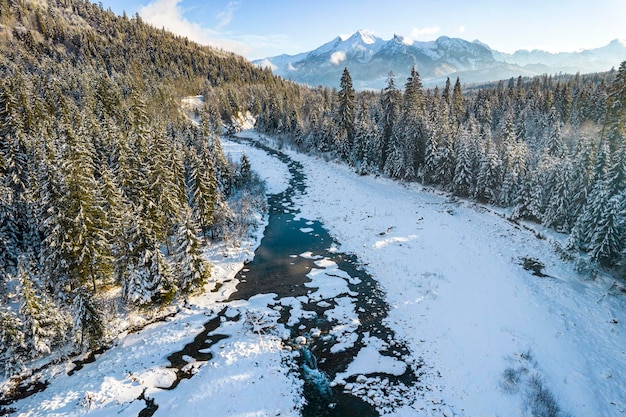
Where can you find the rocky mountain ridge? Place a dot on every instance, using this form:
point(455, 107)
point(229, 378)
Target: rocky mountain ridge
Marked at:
point(370, 59)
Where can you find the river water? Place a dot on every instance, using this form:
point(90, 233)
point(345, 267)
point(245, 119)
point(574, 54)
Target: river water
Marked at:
point(292, 250)
point(351, 363)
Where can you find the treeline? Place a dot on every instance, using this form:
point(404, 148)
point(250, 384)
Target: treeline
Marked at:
point(552, 149)
point(105, 186)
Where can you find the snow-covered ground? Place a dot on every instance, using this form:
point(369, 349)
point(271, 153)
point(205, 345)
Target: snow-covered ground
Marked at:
point(452, 274)
point(459, 297)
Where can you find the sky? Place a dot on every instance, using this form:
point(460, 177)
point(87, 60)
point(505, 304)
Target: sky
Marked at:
point(264, 28)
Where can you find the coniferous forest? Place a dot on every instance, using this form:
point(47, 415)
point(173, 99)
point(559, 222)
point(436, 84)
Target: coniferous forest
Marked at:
point(551, 149)
point(105, 185)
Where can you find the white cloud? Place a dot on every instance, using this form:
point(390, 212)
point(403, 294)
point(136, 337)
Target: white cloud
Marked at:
point(266, 63)
point(168, 14)
point(338, 57)
point(424, 33)
point(225, 16)
point(461, 29)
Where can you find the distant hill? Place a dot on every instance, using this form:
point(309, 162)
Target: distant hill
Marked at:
point(370, 59)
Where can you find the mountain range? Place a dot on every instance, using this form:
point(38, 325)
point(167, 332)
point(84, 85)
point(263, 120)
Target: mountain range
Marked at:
point(370, 59)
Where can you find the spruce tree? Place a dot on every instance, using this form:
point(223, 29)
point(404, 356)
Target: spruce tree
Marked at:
point(528, 200)
point(12, 343)
point(89, 326)
point(614, 128)
point(346, 114)
point(412, 125)
point(607, 241)
point(463, 182)
point(390, 101)
point(192, 270)
point(44, 326)
point(558, 213)
point(489, 178)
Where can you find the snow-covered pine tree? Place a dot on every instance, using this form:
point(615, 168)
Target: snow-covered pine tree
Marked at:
point(457, 109)
point(615, 122)
point(12, 343)
point(528, 200)
point(89, 327)
point(165, 176)
point(554, 142)
point(431, 147)
point(346, 114)
point(357, 153)
point(489, 179)
point(609, 236)
point(192, 270)
point(44, 326)
point(413, 119)
point(390, 102)
point(76, 244)
point(582, 175)
point(464, 176)
point(515, 163)
point(202, 189)
point(558, 212)
point(149, 279)
point(245, 170)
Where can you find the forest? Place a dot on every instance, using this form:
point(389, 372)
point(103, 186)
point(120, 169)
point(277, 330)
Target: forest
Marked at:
point(550, 149)
point(106, 187)
point(108, 192)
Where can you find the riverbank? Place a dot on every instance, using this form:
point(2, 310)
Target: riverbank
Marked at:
point(487, 328)
point(483, 331)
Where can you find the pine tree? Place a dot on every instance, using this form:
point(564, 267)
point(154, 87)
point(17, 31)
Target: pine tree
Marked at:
point(346, 114)
point(148, 279)
point(412, 125)
point(614, 128)
point(554, 143)
point(12, 343)
point(515, 163)
point(44, 326)
point(582, 171)
point(245, 171)
point(457, 108)
point(118, 214)
point(414, 101)
point(558, 213)
point(430, 153)
point(607, 241)
point(489, 178)
point(89, 326)
point(192, 270)
point(77, 245)
point(463, 182)
point(203, 189)
point(390, 101)
point(528, 200)
point(616, 174)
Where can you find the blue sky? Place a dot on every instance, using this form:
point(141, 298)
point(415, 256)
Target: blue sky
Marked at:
point(261, 28)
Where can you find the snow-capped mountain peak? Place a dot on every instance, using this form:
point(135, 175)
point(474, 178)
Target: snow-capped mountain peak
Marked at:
point(363, 36)
point(402, 39)
point(370, 59)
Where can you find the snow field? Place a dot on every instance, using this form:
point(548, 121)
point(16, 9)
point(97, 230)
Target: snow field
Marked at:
point(451, 270)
